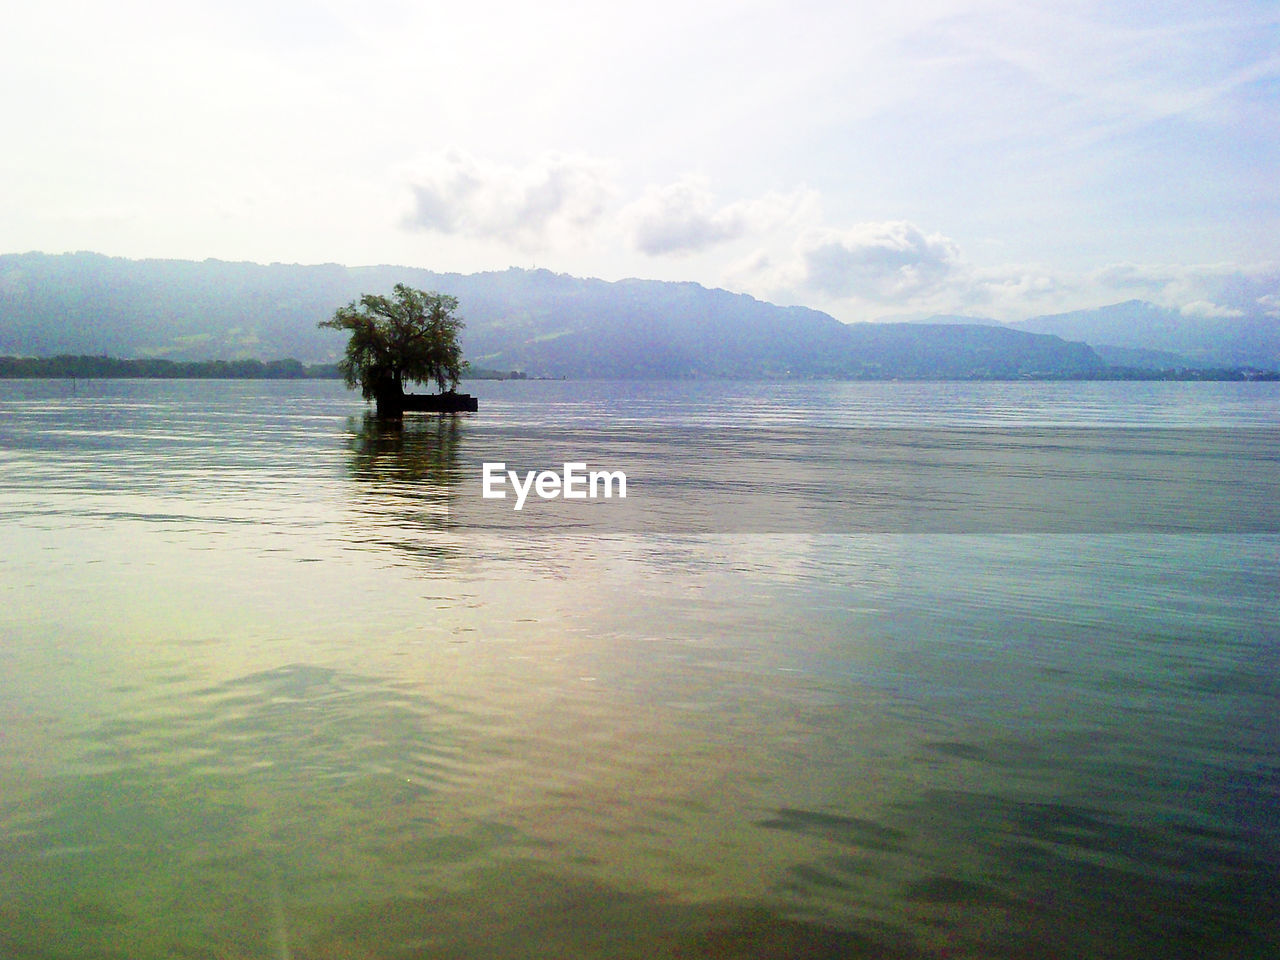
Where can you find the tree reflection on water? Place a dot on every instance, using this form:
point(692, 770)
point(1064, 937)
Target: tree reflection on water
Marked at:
point(406, 476)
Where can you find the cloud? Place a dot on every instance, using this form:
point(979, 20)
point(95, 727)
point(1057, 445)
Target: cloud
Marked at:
point(889, 261)
point(1205, 309)
point(559, 197)
point(1270, 304)
point(683, 217)
point(869, 269)
point(897, 268)
point(866, 270)
point(1201, 290)
point(679, 218)
point(456, 193)
point(1007, 291)
point(1204, 291)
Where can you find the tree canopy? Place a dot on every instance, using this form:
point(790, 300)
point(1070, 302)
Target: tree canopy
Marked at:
point(410, 337)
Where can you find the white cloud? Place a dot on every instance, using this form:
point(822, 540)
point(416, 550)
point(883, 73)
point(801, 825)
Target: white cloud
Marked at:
point(556, 200)
point(871, 269)
point(1203, 290)
point(1205, 309)
point(683, 217)
point(1015, 283)
point(896, 268)
point(1076, 134)
point(891, 261)
point(1005, 292)
point(456, 193)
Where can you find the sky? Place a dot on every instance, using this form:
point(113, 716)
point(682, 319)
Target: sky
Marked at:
point(874, 160)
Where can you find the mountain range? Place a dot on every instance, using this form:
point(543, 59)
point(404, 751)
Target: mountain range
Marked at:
point(549, 324)
point(1135, 325)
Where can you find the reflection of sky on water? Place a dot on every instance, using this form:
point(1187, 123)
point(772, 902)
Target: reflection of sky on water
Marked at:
point(233, 639)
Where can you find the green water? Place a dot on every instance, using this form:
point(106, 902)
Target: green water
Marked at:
point(261, 697)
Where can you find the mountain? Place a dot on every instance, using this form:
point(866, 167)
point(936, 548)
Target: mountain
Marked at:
point(959, 319)
point(532, 320)
point(1250, 340)
point(1141, 359)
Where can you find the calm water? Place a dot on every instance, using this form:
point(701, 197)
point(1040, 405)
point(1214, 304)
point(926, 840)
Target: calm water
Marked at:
point(269, 686)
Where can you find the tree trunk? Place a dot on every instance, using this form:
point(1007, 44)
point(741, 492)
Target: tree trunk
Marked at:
point(389, 396)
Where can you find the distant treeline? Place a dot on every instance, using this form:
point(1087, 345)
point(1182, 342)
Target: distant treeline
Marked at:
point(115, 368)
point(89, 368)
point(1185, 373)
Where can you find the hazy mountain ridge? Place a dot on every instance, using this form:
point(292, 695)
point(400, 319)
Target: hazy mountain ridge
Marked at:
point(532, 320)
point(1249, 340)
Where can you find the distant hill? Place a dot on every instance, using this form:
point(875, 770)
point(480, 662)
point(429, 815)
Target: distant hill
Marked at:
point(959, 319)
point(548, 323)
point(1252, 340)
point(1140, 359)
point(176, 309)
point(536, 321)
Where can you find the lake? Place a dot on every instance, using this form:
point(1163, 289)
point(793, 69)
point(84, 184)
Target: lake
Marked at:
point(904, 670)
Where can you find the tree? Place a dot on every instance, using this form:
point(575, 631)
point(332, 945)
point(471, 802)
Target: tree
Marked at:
point(410, 337)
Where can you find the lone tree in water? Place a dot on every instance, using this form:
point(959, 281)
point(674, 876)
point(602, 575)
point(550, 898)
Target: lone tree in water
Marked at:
point(412, 336)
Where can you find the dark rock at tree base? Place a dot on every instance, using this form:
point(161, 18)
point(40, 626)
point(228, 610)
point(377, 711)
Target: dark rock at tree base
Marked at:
point(392, 405)
point(448, 402)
